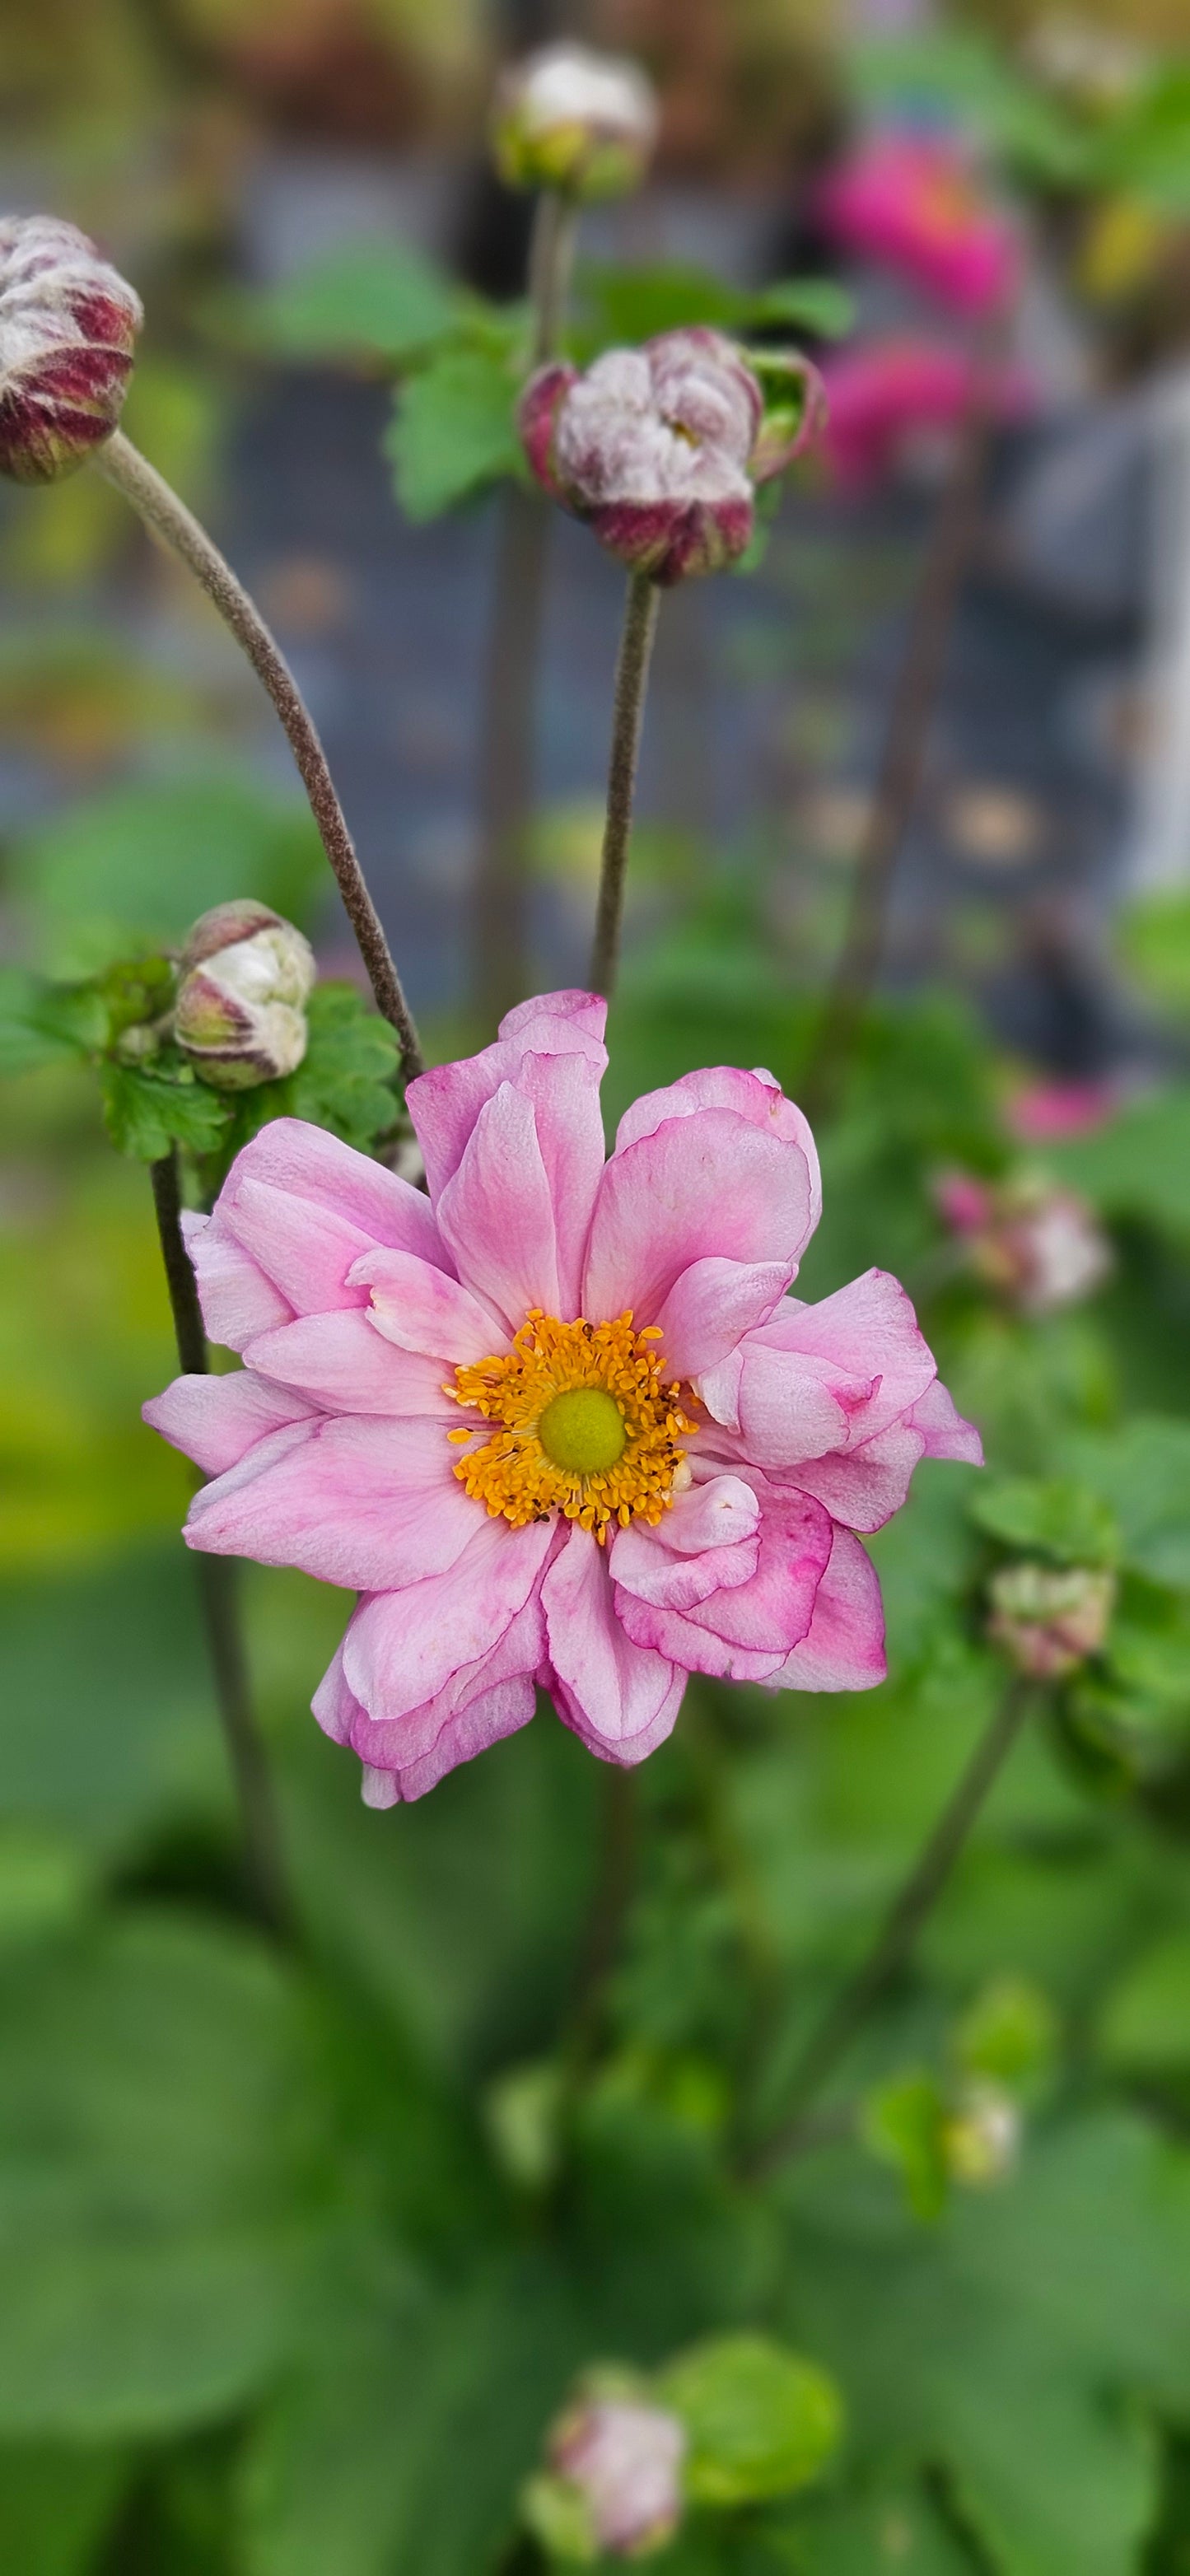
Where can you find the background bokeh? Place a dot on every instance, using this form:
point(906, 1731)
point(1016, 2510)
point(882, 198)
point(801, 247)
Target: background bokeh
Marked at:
point(294, 2271)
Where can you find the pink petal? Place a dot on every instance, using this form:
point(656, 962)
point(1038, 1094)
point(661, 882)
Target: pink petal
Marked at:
point(756, 1096)
point(867, 1330)
point(621, 1699)
point(216, 1420)
point(707, 1184)
point(304, 1248)
point(421, 1309)
point(711, 1307)
point(496, 1213)
point(358, 1502)
point(784, 1405)
point(481, 1701)
point(843, 1648)
point(745, 1633)
point(488, 1719)
point(863, 1487)
point(946, 1433)
point(445, 1103)
point(349, 1366)
point(236, 1298)
point(707, 1542)
point(402, 1648)
point(290, 1154)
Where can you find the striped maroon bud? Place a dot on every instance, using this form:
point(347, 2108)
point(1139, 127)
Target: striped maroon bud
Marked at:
point(68, 327)
point(240, 1013)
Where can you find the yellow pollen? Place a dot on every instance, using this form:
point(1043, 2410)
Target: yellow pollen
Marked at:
point(586, 1425)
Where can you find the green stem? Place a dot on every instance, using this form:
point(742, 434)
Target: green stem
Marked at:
point(632, 679)
point(218, 1578)
point(169, 519)
point(893, 1945)
point(551, 259)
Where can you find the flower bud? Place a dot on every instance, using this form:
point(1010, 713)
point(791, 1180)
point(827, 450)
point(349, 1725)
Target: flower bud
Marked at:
point(660, 447)
point(569, 119)
point(1039, 1245)
point(245, 976)
point(624, 2458)
point(68, 326)
point(981, 2136)
point(1048, 1619)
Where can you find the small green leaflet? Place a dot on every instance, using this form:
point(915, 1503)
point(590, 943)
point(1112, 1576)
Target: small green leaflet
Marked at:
point(454, 431)
point(149, 1109)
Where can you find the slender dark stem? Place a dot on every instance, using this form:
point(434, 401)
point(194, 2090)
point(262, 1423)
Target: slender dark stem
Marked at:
point(898, 782)
point(169, 518)
point(894, 1943)
point(218, 1587)
point(632, 679)
point(551, 258)
point(500, 923)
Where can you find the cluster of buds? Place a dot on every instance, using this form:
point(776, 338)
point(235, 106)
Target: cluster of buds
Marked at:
point(584, 124)
point(1038, 1244)
point(614, 2484)
point(661, 448)
point(1047, 1619)
point(245, 977)
point(68, 328)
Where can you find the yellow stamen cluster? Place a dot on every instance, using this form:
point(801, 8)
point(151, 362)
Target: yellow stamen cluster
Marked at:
point(532, 1466)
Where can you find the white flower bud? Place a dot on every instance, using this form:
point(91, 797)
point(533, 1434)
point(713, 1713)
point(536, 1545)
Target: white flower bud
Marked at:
point(624, 2457)
point(569, 119)
point(1049, 1618)
point(246, 975)
point(68, 326)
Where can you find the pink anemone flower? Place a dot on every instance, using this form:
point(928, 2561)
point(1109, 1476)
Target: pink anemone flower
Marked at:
point(910, 201)
point(557, 1422)
point(887, 397)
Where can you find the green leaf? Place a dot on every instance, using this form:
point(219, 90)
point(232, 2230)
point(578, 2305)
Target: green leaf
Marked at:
point(893, 2532)
point(146, 860)
point(904, 2121)
point(158, 2178)
point(1137, 1165)
point(1007, 2032)
point(814, 304)
point(55, 2505)
point(454, 431)
point(1142, 1473)
point(632, 304)
point(41, 1022)
point(1154, 937)
point(345, 1081)
point(761, 2421)
point(148, 1108)
point(1055, 1516)
point(368, 299)
point(1144, 2026)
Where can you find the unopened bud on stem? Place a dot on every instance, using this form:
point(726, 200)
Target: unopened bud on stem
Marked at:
point(68, 327)
point(580, 122)
point(246, 975)
point(1048, 1619)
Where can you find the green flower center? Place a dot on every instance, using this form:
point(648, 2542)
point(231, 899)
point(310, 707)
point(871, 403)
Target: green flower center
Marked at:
point(583, 1430)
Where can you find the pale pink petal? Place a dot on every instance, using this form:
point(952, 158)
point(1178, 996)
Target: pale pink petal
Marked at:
point(358, 1502)
point(486, 1721)
point(306, 1249)
point(618, 1697)
point(420, 1309)
point(707, 1185)
point(756, 1096)
point(496, 1213)
point(843, 1648)
point(402, 1648)
point(308, 1163)
point(236, 1298)
point(866, 1330)
point(349, 1366)
point(784, 1405)
point(445, 1103)
point(746, 1632)
point(712, 1305)
point(863, 1487)
point(216, 1420)
point(707, 1542)
point(476, 1704)
point(946, 1434)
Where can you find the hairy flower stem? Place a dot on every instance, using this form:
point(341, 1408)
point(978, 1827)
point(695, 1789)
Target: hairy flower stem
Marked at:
point(218, 1592)
point(169, 519)
point(893, 1946)
point(632, 680)
point(500, 924)
point(898, 783)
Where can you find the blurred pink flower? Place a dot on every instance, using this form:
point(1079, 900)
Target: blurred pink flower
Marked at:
point(557, 1421)
point(1047, 1111)
point(887, 395)
point(625, 2458)
point(1040, 1245)
point(910, 201)
point(660, 448)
